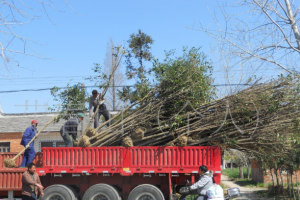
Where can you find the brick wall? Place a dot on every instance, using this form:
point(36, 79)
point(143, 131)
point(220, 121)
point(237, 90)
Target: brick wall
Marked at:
point(261, 176)
point(14, 139)
point(268, 177)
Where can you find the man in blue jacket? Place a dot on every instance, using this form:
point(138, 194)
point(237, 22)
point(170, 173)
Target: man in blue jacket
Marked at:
point(27, 137)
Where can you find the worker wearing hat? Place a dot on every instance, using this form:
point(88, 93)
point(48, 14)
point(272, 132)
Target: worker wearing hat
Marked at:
point(27, 137)
point(95, 100)
point(70, 128)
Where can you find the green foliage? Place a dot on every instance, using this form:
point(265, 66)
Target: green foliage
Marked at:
point(72, 101)
point(249, 183)
point(178, 122)
point(235, 173)
point(140, 90)
point(100, 79)
point(191, 71)
point(139, 50)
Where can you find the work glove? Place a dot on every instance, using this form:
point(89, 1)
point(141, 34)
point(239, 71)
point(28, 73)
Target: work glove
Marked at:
point(100, 102)
point(27, 146)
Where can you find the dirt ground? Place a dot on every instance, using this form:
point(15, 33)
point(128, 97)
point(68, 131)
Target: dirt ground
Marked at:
point(246, 192)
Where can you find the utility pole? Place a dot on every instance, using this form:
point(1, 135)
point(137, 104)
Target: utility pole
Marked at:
point(113, 79)
point(83, 106)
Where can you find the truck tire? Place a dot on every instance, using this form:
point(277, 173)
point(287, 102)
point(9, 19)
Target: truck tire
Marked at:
point(61, 192)
point(146, 191)
point(74, 192)
point(101, 191)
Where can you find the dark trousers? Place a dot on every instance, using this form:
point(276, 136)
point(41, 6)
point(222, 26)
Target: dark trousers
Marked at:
point(67, 139)
point(33, 197)
point(28, 157)
point(101, 111)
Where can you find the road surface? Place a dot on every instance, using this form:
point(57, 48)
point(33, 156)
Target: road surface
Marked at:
point(246, 192)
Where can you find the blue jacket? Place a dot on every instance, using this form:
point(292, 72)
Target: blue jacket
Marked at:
point(27, 137)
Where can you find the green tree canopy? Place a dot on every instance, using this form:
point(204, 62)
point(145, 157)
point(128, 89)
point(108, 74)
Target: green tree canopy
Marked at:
point(191, 71)
point(71, 101)
point(136, 55)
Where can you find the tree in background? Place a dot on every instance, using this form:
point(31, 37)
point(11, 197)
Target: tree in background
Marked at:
point(71, 101)
point(102, 76)
point(259, 34)
point(16, 14)
point(118, 78)
point(191, 71)
point(243, 159)
point(136, 55)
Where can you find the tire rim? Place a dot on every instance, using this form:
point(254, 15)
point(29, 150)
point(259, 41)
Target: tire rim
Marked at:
point(145, 196)
point(100, 196)
point(56, 196)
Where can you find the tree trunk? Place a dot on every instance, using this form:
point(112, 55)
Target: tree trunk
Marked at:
point(231, 165)
point(293, 22)
point(248, 172)
point(241, 172)
point(288, 184)
point(272, 179)
point(280, 170)
point(292, 183)
point(297, 184)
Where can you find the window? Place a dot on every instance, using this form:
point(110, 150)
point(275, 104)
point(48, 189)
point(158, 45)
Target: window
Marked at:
point(4, 147)
point(46, 144)
point(60, 144)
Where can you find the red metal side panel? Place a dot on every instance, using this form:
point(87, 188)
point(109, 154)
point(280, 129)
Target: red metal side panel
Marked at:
point(11, 180)
point(38, 159)
point(91, 159)
point(171, 159)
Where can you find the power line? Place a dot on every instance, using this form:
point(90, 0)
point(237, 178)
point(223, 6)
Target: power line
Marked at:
point(82, 76)
point(42, 89)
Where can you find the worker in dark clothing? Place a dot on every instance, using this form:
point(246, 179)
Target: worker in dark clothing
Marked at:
point(27, 137)
point(96, 100)
point(70, 128)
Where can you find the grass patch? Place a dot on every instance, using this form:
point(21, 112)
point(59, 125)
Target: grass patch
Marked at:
point(274, 195)
point(235, 172)
point(192, 197)
point(223, 186)
point(249, 183)
point(295, 185)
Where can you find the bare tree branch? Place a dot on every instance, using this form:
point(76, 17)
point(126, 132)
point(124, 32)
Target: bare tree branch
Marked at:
point(264, 34)
point(13, 15)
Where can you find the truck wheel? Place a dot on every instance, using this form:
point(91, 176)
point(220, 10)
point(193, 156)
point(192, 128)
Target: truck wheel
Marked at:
point(146, 192)
point(58, 192)
point(74, 192)
point(101, 192)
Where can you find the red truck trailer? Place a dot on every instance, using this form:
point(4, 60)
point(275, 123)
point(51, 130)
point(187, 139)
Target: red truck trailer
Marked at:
point(112, 173)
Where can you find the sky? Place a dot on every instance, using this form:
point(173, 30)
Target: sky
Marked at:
point(75, 40)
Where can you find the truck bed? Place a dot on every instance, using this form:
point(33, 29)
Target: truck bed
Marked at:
point(116, 161)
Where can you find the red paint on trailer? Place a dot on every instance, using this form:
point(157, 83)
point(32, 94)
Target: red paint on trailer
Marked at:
point(38, 159)
point(126, 167)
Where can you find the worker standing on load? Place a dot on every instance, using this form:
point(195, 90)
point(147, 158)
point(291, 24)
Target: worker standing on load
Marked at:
point(70, 128)
point(27, 137)
point(96, 100)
